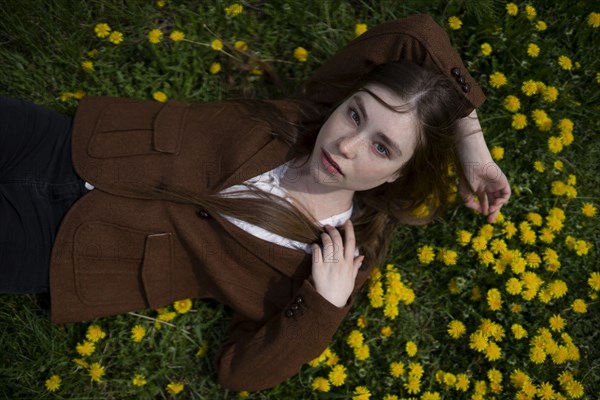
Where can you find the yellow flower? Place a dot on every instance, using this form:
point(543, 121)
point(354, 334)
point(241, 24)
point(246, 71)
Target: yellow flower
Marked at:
point(337, 375)
point(361, 393)
point(531, 12)
point(512, 103)
point(53, 383)
point(494, 375)
point(497, 153)
point(497, 79)
point(96, 371)
point(159, 96)
point(456, 329)
point(137, 333)
point(593, 20)
point(558, 288)
point(537, 355)
point(301, 54)
point(386, 331)
point(138, 380)
point(241, 45)
point(155, 36)
point(512, 9)
point(493, 352)
point(425, 254)
point(413, 386)
point(102, 30)
point(557, 323)
point(320, 384)
point(518, 331)
point(529, 88)
point(447, 256)
point(555, 144)
point(494, 299)
point(234, 9)
point(579, 306)
point(539, 166)
point(397, 369)
point(177, 36)
point(175, 388)
point(594, 281)
point(116, 37)
point(486, 49)
point(95, 333)
point(86, 348)
point(355, 339)
point(160, 3)
point(565, 63)
point(214, 68)
point(454, 23)
point(411, 348)
point(183, 306)
point(519, 121)
point(513, 286)
point(558, 165)
point(462, 382)
point(216, 44)
point(87, 65)
point(550, 94)
point(588, 210)
point(541, 26)
point(464, 237)
point(359, 29)
point(533, 50)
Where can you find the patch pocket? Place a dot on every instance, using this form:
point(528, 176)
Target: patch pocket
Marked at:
point(118, 265)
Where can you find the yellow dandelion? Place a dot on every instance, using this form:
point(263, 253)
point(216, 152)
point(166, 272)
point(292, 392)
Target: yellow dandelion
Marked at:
point(240, 45)
point(115, 37)
point(494, 299)
point(565, 63)
point(87, 65)
point(447, 256)
point(411, 348)
point(425, 254)
point(486, 49)
point(362, 353)
point(518, 331)
point(175, 388)
point(320, 384)
point(512, 9)
point(102, 30)
point(594, 281)
point(588, 210)
point(550, 94)
point(301, 54)
point(479, 243)
point(454, 22)
point(359, 29)
point(337, 375)
point(478, 341)
point(413, 386)
point(541, 26)
point(183, 306)
point(593, 20)
point(96, 371)
point(386, 331)
point(234, 9)
point(155, 36)
point(514, 286)
point(139, 380)
point(86, 348)
point(456, 329)
point(555, 144)
point(464, 237)
point(138, 332)
point(216, 44)
point(361, 393)
point(539, 166)
point(497, 153)
point(512, 103)
point(159, 96)
point(355, 339)
point(462, 382)
point(531, 12)
point(95, 333)
point(53, 383)
point(214, 68)
point(177, 36)
point(493, 352)
point(557, 323)
point(397, 369)
point(519, 121)
point(533, 50)
point(529, 88)
point(497, 80)
point(537, 355)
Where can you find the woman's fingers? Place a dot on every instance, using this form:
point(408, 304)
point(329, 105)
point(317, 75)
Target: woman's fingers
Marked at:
point(349, 240)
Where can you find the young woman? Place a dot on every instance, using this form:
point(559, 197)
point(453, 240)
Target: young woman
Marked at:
point(278, 209)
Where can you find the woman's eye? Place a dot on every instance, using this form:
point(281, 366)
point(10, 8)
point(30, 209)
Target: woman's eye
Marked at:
point(355, 117)
point(381, 149)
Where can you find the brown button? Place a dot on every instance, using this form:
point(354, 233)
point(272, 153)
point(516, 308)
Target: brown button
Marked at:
point(455, 72)
point(294, 306)
point(202, 214)
point(289, 313)
point(299, 299)
point(461, 80)
point(466, 88)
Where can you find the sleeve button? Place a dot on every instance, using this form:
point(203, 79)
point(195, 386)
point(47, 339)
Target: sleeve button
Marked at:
point(461, 80)
point(289, 313)
point(466, 88)
point(202, 214)
point(294, 306)
point(299, 300)
point(455, 72)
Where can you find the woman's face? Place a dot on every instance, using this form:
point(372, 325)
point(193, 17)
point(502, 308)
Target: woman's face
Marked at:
point(363, 143)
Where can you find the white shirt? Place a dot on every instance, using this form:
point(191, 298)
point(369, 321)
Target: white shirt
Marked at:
point(270, 182)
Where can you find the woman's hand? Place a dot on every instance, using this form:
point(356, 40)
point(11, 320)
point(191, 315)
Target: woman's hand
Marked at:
point(482, 178)
point(334, 267)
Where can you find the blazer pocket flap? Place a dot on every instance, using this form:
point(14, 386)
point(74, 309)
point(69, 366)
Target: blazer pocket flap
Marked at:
point(156, 269)
point(168, 127)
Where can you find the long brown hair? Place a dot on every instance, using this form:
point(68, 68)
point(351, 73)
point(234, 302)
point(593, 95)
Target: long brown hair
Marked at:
point(418, 196)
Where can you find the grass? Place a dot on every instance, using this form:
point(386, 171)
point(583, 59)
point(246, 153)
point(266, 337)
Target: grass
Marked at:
point(42, 45)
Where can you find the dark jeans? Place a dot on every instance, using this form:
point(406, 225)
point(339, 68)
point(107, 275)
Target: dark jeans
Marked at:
point(38, 185)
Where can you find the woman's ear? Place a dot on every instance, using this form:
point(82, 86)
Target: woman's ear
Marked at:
point(393, 177)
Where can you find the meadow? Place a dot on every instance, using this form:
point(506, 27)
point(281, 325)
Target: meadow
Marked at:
point(462, 309)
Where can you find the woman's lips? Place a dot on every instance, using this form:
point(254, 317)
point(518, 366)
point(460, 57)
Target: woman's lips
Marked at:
point(329, 164)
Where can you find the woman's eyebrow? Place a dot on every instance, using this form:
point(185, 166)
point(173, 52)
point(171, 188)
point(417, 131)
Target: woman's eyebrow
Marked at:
point(382, 136)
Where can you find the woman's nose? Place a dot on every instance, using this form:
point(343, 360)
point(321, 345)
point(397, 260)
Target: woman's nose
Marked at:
point(349, 145)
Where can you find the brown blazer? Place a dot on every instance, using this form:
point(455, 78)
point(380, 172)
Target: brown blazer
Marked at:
point(118, 250)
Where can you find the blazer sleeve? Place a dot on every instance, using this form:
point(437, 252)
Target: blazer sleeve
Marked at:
point(259, 356)
point(417, 38)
